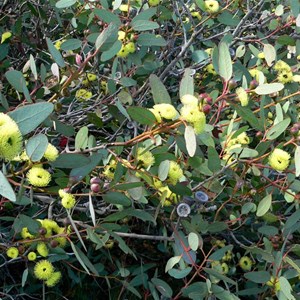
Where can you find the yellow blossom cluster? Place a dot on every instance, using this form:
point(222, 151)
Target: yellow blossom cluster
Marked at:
point(67, 200)
point(44, 271)
point(83, 95)
point(145, 157)
point(10, 138)
point(285, 73)
point(279, 159)
point(191, 113)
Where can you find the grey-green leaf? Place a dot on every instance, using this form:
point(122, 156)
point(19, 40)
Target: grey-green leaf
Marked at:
point(224, 61)
point(278, 129)
point(36, 147)
point(158, 90)
point(5, 189)
point(31, 116)
point(65, 3)
point(264, 205)
point(269, 88)
point(56, 55)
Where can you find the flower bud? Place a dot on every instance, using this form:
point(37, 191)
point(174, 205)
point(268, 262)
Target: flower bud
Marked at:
point(95, 180)
point(206, 109)
point(95, 188)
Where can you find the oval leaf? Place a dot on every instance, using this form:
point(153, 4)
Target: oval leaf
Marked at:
point(190, 140)
point(31, 116)
point(269, 88)
point(5, 189)
point(117, 198)
point(172, 262)
point(264, 205)
point(258, 277)
point(158, 90)
point(141, 115)
point(278, 129)
point(36, 147)
point(193, 240)
point(224, 61)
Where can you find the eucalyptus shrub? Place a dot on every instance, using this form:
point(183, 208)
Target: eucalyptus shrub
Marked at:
point(149, 149)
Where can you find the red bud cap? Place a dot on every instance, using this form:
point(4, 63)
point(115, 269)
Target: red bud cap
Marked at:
point(253, 84)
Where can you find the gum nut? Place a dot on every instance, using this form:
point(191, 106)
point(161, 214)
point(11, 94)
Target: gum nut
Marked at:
point(95, 188)
point(95, 180)
point(201, 197)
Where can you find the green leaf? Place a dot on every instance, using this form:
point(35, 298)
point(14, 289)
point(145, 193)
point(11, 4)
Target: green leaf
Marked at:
point(270, 54)
point(190, 140)
point(278, 129)
point(142, 25)
point(227, 18)
point(17, 80)
point(109, 32)
point(57, 57)
point(70, 161)
point(258, 276)
point(24, 221)
point(84, 170)
point(127, 81)
point(162, 287)
point(150, 39)
point(187, 83)
point(65, 3)
point(286, 288)
point(158, 90)
point(163, 170)
point(81, 139)
point(24, 277)
point(179, 274)
point(218, 275)
point(128, 186)
point(172, 262)
point(117, 198)
point(33, 67)
point(31, 116)
point(36, 147)
point(5, 189)
point(269, 88)
point(297, 161)
point(122, 245)
point(286, 39)
point(107, 16)
point(224, 61)
point(292, 263)
point(71, 44)
point(193, 240)
point(264, 205)
point(111, 52)
point(141, 115)
point(217, 255)
point(214, 162)
point(146, 14)
point(247, 115)
point(83, 260)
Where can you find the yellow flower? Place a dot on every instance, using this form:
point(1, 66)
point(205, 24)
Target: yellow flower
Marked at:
point(242, 96)
point(42, 249)
point(254, 73)
point(274, 282)
point(38, 177)
point(62, 241)
point(167, 111)
point(199, 125)
point(279, 159)
point(196, 14)
point(68, 201)
point(54, 279)
point(130, 47)
point(189, 100)
point(12, 252)
point(167, 197)
point(121, 35)
point(282, 66)
point(146, 157)
point(43, 270)
point(57, 45)
point(243, 139)
point(190, 113)
point(5, 35)
point(83, 94)
point(209, 51)
point(31, 256)
point(225, 268)
point(156, 114)
point(51, 153)
point(91, 77)
point(123, 52)
point(175, 172)
point(109, 170)
point(10, 138)
point(211, 6)
point(25, 234)
point(245, 263)
point(261, 55)
point(285, 76)
point(210, 69)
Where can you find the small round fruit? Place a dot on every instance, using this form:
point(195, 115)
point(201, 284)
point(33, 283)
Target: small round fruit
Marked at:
point(95, 187)
point(253, 84)
point(206, 109)
point(95, 180)
point(42, 231)
point(201, 197)
point(54, 243)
